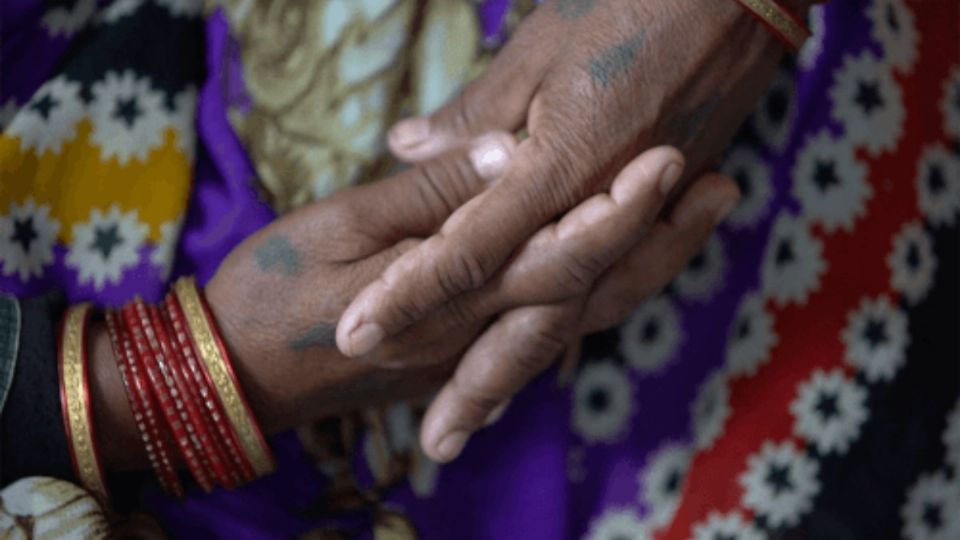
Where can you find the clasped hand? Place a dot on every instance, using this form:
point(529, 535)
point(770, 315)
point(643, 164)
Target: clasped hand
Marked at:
point(279, 295)
point(485, 261)
point(594, 84)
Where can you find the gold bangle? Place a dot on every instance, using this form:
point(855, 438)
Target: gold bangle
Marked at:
point(782, 22)
point(75, 402)
point(224, 380)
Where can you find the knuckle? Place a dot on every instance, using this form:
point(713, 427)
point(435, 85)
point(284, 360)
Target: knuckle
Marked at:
point(462, 271)
point(543, 344)
point(477, 399)
point(461, 313)
point(337, 214)
point(557, 179)
point(462, 116)
point(405, 305)
point(479, 404)
point(340, 226)
point(579, 271)
point(407, 313)
point(532, 361)
point(438, 187)
point(462, 180)
point(446, 182)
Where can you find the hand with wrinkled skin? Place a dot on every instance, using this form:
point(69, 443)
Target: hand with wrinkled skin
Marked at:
point(523, 342)
point(279, 294)
point(594, 82)
point(276, 298)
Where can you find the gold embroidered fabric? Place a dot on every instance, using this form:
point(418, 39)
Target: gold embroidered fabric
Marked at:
point(327, 78)
point(42, 507)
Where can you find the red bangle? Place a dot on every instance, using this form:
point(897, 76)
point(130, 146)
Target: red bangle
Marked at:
point(164, 380)
point(224, 469)
point(784, 24)
point(181, 386)
point(161, 396)
point(142, 405)
point(227, 473)
point(242, 468)
point(213, 455)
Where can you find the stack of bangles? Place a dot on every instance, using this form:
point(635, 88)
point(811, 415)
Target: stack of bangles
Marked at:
point(182, 390)
point(784, 24)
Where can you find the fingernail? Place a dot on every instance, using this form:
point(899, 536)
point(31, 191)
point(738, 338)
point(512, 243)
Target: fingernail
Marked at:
point(410, 132)
point(364, 338)
point(496, 414)
point(451, 445)
point(489, 157)
point(724, 209)
point(669, 177)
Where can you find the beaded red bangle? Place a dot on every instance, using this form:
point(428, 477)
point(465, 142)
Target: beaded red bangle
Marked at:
point(142, 405)
point(215, 457)
point(75, 401)
point(183, 392)
point(165, 387)
point(224, 470)
point(162, 399)
point(241, 469)
point(784, 24)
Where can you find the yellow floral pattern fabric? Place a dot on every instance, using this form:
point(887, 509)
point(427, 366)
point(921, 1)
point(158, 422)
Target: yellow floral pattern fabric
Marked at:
point(96, 160)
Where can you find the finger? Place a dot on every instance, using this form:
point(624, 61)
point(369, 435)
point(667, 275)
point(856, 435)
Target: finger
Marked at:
point(478, 238)
point(496, 414)
point(417, 201)
point(515, 349)
point(526, 340)
point(565, 259)
point(532, 275)
point(538, 275)
point(662, 254)
point(497, 100)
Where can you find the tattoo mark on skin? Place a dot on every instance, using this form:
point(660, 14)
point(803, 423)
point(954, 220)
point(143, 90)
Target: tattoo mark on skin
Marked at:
point(321, 335)
point(616, 60)
point(685, 129)
point(574, 9)
point(278, 253)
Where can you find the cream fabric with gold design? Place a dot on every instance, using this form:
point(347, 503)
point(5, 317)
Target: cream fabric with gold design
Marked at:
point(41, 507)
point(327, 78)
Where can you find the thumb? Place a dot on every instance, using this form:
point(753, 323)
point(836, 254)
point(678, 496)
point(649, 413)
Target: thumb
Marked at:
point(497, 100)
point(417, 201)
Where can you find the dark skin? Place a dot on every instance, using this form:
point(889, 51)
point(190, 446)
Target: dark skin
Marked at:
point(277, 297)
point(594, 82)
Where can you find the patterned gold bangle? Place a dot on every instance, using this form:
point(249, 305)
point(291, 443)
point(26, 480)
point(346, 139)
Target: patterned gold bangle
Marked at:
point(214, 359)
point(781, 21)
point(75, 402)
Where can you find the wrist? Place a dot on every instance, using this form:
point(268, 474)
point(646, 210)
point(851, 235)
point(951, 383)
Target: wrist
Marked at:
point(285, 387)
point(111, 410)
